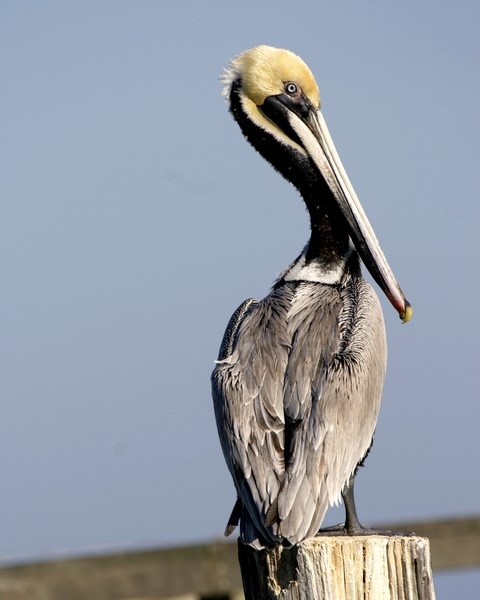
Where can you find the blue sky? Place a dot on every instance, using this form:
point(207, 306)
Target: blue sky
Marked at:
point(135, 218)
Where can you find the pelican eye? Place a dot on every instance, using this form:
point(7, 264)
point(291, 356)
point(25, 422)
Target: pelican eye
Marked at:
point(291, 88)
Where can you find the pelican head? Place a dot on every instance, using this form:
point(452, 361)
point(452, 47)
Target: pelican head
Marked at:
point(275, 99)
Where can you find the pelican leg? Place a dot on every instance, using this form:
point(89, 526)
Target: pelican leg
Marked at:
point(352, 525)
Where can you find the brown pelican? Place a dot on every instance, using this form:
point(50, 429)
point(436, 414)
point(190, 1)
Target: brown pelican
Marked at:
point(299, 376)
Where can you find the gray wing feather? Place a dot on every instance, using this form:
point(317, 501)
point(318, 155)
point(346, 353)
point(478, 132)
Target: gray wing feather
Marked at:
point(346, 375)
point(296, 392)
point(248, 398)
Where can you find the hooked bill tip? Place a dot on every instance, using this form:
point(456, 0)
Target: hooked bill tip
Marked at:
point(407, 315)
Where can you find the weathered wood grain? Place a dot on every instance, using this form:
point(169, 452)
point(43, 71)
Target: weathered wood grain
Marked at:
point(340, 568)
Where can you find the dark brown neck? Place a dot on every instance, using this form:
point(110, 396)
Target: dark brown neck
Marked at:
point(329, 240)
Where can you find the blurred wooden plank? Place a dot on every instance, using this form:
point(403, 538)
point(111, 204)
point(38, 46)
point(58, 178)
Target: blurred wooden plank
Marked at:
point(203, 570)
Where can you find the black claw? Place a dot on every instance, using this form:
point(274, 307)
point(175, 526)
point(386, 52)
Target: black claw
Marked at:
point(342, 530)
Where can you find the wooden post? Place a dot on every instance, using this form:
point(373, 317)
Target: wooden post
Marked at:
point(374, 567)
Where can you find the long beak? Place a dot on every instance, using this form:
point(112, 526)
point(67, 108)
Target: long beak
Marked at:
point(318, 143)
